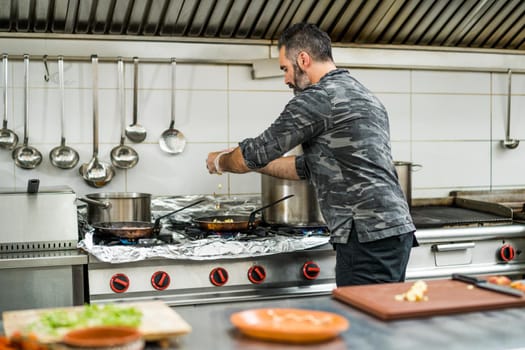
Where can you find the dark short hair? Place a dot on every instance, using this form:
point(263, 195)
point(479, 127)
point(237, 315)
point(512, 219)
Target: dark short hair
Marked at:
point(306, 37)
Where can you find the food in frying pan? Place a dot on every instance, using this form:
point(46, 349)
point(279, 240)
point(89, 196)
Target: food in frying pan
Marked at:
point(417, 292)
point(223, 221)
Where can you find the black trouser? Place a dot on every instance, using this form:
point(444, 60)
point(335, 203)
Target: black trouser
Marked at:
point(380, 261)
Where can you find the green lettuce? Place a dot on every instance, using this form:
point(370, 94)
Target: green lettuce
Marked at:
point(60, 321)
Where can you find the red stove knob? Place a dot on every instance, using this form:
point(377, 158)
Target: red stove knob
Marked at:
point(119, 283)
point(256, 274)
point(507, 252)
point(160, 280)
point(219, 276)
point(311, 270)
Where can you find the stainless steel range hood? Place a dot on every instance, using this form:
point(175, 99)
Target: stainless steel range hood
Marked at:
point(480, 24)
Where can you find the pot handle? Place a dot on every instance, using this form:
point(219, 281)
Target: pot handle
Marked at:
point(416, 167)
point(251, 219)
point(105, 205)
point(32, 186)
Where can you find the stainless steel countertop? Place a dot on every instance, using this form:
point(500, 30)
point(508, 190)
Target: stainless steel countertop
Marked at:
point(43, 259)
point(499, 329)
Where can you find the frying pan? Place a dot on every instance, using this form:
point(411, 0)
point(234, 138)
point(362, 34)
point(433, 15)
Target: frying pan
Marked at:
point(234, 222)
point(136, 229)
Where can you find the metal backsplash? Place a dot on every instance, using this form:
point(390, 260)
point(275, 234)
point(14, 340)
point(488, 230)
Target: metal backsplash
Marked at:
point(489, 24)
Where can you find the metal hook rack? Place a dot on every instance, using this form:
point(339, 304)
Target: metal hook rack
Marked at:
point(115, 59)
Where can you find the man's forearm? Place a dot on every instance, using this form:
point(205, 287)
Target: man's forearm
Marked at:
point(283, 168)
point(233, 162)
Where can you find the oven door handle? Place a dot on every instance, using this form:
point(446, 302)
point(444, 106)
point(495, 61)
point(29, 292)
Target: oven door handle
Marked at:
point(452, 246)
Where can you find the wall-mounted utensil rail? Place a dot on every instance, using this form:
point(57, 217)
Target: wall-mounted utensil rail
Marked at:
point(115, 59)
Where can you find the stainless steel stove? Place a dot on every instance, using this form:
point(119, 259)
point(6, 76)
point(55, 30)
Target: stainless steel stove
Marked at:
point(455, 234)
point(463, 234)
point(187, 265)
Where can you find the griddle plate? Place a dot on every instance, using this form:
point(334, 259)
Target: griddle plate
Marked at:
point(441, 216)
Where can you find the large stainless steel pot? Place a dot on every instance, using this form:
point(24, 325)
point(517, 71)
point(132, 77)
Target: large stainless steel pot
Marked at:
point(118, 207)
point(299, 211)
point(404, 174)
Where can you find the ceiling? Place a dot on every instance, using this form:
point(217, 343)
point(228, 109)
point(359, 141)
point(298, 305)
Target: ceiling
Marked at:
point(487, 24)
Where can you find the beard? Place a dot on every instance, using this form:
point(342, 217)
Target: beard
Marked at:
point(300, 80)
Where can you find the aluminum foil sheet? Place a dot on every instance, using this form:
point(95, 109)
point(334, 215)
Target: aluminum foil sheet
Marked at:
point(213, 247)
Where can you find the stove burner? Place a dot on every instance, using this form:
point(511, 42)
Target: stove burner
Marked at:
point(193, 232)
point(111, 240)
point(300, 230)
point(126, 241)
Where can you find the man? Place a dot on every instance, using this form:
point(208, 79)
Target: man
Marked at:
point(344, 132)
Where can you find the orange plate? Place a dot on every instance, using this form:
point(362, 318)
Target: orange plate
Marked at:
point(100, 337)
point(290, 325)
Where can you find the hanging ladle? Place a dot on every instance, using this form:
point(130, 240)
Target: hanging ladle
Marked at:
point(96, 173)
point(172, 140)
point(8, 138)
point(508, 142)
point(135, 132)
point(63, 157)
point(25, 156)
point(123, 156)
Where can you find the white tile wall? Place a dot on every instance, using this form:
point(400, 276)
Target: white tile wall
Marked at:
point(450, 82)
point(382, 80)
point(252, 111)
point(399, 113)
point(450, 122)
point(450, 117)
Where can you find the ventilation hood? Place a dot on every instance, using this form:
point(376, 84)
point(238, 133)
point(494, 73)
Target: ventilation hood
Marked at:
point(479, 24)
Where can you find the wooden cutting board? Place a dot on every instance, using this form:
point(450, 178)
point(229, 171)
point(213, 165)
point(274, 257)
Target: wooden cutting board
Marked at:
point(444, 297)
point(159, 321)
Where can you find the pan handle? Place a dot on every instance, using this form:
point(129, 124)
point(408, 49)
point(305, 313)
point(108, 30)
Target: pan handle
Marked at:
point(156, 227)
point(251, 219)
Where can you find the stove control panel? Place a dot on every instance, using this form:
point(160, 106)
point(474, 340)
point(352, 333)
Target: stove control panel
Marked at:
point(311, 270)
point(160, 280)
point(219, 276)
point(200, 278)
point(256, 274)
point(119, 283)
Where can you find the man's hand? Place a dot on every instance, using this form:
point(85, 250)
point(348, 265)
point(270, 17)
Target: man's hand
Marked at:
point(212, 162)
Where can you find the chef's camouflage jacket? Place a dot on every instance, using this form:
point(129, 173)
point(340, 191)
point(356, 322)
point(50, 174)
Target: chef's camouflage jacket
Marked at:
point(344, 132)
